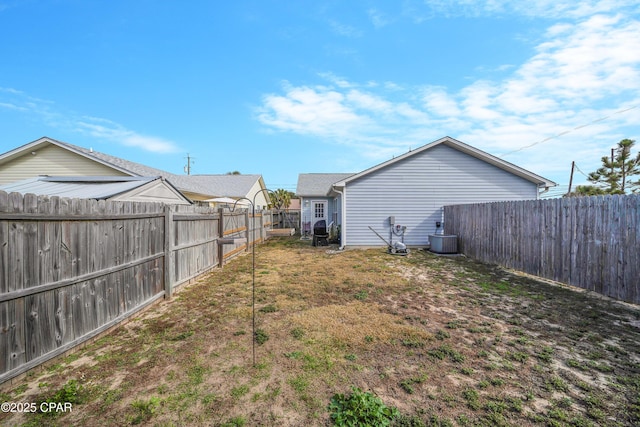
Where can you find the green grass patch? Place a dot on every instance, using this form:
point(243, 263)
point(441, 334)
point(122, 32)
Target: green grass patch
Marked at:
point(445, 351)
point(260, 336)
point(360, 409)
point(268, 309)
point(144, 410)
point(239, 391)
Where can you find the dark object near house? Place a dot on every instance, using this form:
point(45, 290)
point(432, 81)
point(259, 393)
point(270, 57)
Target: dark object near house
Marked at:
point(320, 233)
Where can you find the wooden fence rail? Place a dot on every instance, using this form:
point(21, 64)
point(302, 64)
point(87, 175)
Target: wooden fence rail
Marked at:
point(71, 269)
point(589, 242)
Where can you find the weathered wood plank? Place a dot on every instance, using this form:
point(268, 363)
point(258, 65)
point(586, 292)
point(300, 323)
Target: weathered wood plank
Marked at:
point(40, 325)
point(5, 337)
point(63, 317)
point(15, 279)
point(31, 249)
point(4, 245)
point(45, 265)
point(15, 339)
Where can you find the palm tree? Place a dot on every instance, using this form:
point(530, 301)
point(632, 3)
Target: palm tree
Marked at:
point(281, 198)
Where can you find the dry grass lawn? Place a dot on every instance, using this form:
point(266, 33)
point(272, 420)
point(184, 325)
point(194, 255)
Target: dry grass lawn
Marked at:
point(445, 340)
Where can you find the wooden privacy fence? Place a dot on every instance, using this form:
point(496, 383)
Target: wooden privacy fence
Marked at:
point(286, 218)
point(71, 269)
point(589, 242)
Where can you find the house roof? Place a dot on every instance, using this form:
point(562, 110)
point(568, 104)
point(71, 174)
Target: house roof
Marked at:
point(211, 185)
point(465, 148)
point(225, 185)
point(318, 184)
point(82, 187)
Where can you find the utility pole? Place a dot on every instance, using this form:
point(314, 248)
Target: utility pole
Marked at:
point(190, 161)
point(573, 166)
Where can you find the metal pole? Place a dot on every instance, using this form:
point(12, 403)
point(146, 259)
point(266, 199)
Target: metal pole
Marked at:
point(253, 281)
point(253, 273)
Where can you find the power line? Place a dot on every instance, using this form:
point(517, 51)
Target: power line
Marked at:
point(569, 131)
point(587, 176)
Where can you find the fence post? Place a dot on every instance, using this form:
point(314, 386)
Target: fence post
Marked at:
point(168, 264)
point(248, 229)
point(220, 236)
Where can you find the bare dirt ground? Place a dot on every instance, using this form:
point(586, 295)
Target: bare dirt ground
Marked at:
point(445, 340)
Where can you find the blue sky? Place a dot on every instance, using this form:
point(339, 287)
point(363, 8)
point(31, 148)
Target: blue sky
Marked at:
point(285, 87)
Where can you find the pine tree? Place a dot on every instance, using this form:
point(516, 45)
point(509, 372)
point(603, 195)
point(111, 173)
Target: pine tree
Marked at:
point(616, 174)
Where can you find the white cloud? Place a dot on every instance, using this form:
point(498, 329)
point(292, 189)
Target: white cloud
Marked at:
point(368, 101)
point(437, 101)
point(553, 104)
point(54, 116)
point(10, 106)
point(531, 8)
point(377, 18)
point(319, 111)
point(344, 30)
point(593, 59)
point(106, 129)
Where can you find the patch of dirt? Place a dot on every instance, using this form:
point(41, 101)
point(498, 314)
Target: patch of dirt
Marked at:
point(446, 340)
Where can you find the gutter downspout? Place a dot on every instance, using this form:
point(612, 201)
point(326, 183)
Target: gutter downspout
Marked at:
point(343, 216)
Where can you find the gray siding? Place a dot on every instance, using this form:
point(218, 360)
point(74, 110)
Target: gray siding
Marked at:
point(416, 189)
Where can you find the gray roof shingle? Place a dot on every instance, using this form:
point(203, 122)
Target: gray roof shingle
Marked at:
point(318, 184)
point(223, 185)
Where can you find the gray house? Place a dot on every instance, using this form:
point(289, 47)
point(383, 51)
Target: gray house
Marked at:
point(413, 189)
point(318, 200)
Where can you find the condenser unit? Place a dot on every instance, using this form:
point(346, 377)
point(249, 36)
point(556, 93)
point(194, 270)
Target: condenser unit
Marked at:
point(443, 244)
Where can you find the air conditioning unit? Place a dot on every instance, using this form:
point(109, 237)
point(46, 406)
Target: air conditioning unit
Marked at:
point(443, 244)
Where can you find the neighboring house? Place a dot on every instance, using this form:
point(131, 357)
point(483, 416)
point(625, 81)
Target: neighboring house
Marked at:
point(114, 188)
point(47, 156)
point(237, 187)
point(414, 187)
point(318, 200)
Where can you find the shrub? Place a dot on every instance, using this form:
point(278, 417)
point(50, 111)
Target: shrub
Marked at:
point(360, 409)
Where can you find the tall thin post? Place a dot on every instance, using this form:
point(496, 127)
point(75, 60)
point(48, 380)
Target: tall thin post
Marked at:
point(251, 224)
point(168, 261)
point(253, 280)
point(220, 236)
point(573, 165)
